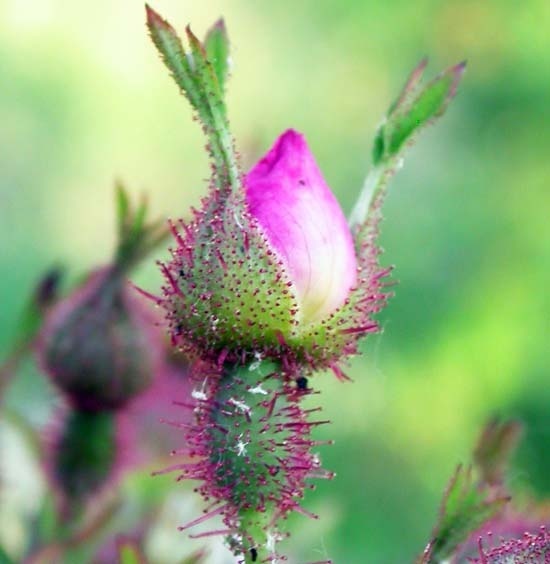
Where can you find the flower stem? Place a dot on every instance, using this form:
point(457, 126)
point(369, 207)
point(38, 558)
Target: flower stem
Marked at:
point(258, 544)
point(371, 185)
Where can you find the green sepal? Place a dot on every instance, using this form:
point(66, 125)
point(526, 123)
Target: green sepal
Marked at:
point(411, 111)
point(411, 86)
point(197, 78)
point(216, 44)
point(466, 507)
point(136, 237)
point(169, 45)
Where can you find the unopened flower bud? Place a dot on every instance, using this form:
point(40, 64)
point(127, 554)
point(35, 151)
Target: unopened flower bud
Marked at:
point(303, 221)
point(99, 344)
point(273, 270)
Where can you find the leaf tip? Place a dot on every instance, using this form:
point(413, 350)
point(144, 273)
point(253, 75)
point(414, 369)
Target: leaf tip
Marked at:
point(155, 20)
point(421, 66)
point(220, 25)
point(152, 16)
point(457, 72)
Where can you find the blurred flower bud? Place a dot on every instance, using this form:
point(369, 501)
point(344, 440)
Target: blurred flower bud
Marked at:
point(100, 343)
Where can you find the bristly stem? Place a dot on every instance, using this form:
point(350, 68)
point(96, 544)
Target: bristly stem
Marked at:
point(254, 526)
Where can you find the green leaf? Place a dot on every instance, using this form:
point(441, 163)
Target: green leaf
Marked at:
point(413, 109)
point(408, 114)
point(173, 54)
point(138, 221)
point(136, 237)
point(198, 79)
point(122, 209)
point(207, 80)
point(430, 103)
point(411, 86)
point(216, 44)
point(465, 508)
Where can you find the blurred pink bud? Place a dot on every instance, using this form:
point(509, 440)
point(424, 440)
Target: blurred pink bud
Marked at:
point(304, 223)
point(100, 345)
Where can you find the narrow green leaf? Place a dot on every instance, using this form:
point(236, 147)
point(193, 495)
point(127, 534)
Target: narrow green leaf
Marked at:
point(465, 508)
point(411, 85)
point(137, 237)
point(221, 141)
point(138, 221)
point(430, 103)
point(413, 109)
point(197, 78)
point(122, 209)
point(173, 54)
point(216, 44)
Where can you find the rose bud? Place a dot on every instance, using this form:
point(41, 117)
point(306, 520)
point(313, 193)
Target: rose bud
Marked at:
point(278, 273)
point(99, 345)
point(268, 283)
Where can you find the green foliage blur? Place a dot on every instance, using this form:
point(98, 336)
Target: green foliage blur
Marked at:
point(85, 100)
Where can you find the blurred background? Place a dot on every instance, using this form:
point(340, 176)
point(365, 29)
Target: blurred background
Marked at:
point(84, 100)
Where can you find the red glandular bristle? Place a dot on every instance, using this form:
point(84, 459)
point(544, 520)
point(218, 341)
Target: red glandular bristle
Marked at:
point(529, 549)
point(250, 448)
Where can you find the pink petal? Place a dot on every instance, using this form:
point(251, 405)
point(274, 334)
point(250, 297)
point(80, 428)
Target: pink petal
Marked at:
point(303, 221)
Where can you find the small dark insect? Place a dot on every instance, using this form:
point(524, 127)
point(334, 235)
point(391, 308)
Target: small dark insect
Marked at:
point(254, 554)
point(301, 383)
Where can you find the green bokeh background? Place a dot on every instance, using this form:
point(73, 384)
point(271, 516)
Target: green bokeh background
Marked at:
point(84, 99)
